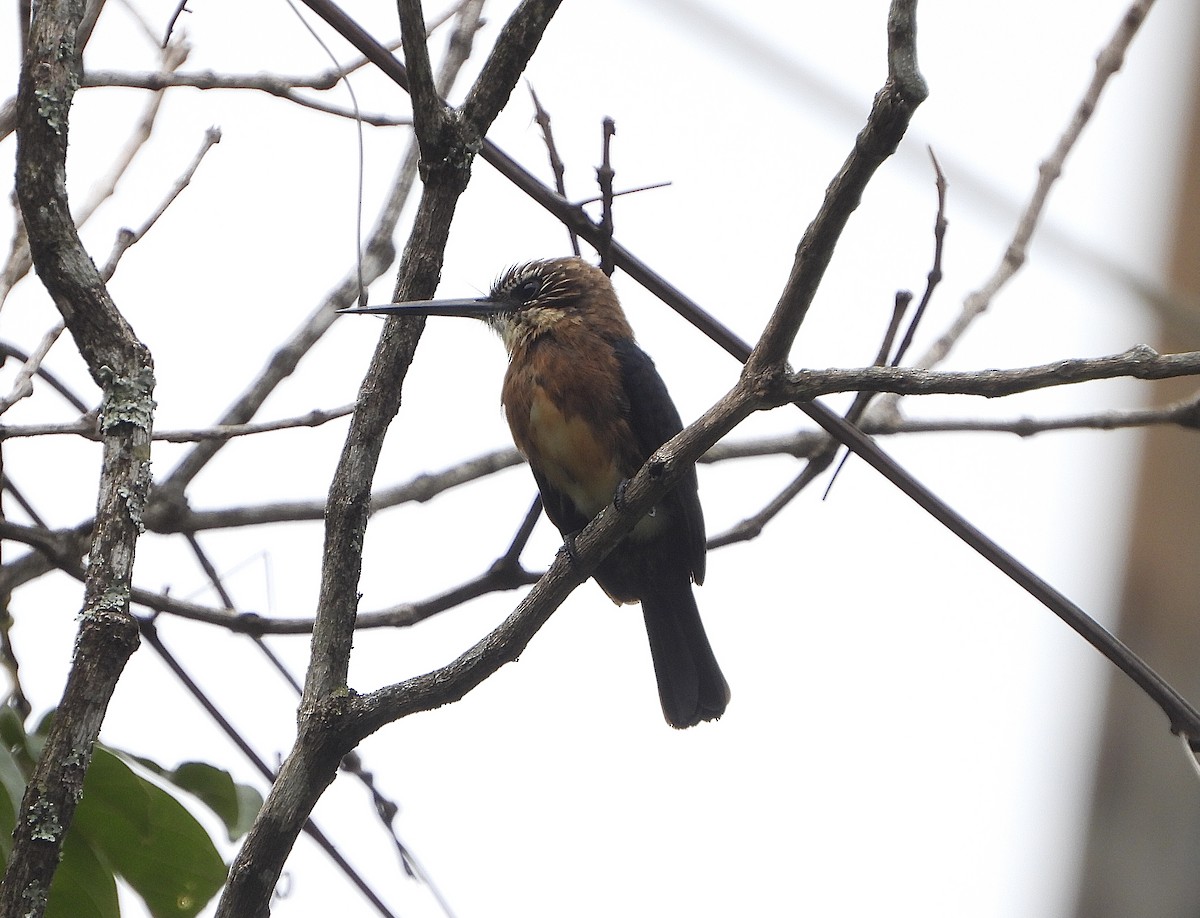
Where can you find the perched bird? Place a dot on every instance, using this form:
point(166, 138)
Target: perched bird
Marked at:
point(587, 408)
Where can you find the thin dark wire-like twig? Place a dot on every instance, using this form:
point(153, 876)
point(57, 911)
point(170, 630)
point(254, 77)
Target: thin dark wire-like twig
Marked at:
point(180, 9)
point(624, 191)
point(343, 77)
point(21, 500)
point(8, 349)
point(512, 557)
point(150, 634)
point(903, 297)
point(935, 273)
point(387, 811)
point(862, 399)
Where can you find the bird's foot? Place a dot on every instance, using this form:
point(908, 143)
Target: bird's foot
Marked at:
point(569, 544)
point(619, 494)
point(619, 500)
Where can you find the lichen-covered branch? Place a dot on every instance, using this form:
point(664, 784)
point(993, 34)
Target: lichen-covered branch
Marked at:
point(121, 366)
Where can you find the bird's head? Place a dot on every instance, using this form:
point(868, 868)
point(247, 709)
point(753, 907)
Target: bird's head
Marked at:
point(532, 299)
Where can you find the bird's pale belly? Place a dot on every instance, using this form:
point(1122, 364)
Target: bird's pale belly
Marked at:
point(573, 456)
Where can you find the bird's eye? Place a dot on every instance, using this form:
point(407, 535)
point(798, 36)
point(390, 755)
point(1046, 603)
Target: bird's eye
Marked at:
point(527, 290)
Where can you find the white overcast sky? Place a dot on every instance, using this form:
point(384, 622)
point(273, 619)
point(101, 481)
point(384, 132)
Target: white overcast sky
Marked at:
point(909, 734)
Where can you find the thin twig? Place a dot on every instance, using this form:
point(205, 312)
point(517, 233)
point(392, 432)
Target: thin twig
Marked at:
point(557, 167)
point(624, 191)
point(863, 399)
point(23, 383)
point(86, 428)
point(16, 263)
point(935, 272)
point(1108, 62)
point(280, 87)
point(128, 238)
point(803, 444)
point(900, 305)
point(604, 178)
point(180, 9)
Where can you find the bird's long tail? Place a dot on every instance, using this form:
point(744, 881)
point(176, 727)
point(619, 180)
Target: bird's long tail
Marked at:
point(690, 684)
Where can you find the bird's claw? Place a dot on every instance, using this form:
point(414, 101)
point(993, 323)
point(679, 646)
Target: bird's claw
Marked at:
point(569, 545)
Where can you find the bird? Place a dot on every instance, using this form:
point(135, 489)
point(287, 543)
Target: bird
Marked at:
point(586, 408)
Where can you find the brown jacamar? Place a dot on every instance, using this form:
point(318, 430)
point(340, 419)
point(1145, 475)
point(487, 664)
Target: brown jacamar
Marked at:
point(587, 408)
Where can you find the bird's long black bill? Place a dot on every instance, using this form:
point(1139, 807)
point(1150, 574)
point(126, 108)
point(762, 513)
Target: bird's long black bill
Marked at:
point(471, 308)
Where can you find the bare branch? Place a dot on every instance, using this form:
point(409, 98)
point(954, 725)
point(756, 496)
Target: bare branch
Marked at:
point(604, 179)
point(86, 428)
point(280, 87)
point(1185, 413)
point(314, 418)
point(422, 488)
point(514, 47)
point(468, 20)
point(557, 167)
point(128, 238)
point(806, 443)
point(59, 550)
point(893, 109)
point(1140, 362)
point(429, 111)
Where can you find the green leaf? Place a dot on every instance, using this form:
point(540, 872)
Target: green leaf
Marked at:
point(83, 887)
point(12, 788)
point(147, 837)
point(235, 804)
point(15, 764)
point(12, 730)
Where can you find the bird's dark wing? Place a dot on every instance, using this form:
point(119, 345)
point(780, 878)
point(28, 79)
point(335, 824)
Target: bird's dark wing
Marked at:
point(655, 420)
